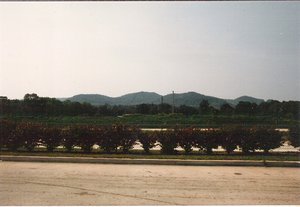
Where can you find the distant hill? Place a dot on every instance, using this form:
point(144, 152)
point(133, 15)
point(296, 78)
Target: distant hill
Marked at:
point(192, 99)
point(128, 99)
point(138, 98)
point(94, 99)
point(246, 99)
point(189, 99)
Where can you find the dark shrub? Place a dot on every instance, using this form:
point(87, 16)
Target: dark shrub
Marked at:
point(199, 139)
point(294, 136)
point(268, 139)
point(110, 141)
point(209, 140)
point(127, 137)
point(26, 135)
point(86, 137)
point(168, 141)
point(186, 139)
point(51, 138)
point(7, 130)
point(147, 139)
point(249, 142)
point(230, 138)
point(68, 138)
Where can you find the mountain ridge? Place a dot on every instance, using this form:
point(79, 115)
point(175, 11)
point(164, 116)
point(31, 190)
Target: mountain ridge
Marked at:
point(190, 98)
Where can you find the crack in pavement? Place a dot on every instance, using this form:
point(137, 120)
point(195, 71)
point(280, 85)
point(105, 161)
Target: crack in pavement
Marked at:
point(103, 192)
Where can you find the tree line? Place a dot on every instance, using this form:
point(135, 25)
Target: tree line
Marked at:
point(121, 138)
point(33, 105)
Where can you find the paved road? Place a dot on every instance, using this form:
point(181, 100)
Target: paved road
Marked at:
point(24, 183)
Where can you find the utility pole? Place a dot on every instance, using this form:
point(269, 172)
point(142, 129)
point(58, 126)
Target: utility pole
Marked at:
point(173, 103)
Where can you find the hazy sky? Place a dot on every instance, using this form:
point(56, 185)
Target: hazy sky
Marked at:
point(223, 49)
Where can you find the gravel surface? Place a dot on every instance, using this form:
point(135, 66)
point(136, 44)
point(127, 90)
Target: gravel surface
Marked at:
point(24, 183)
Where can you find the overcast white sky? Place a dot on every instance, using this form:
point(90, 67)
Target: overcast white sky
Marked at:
point(223, 49)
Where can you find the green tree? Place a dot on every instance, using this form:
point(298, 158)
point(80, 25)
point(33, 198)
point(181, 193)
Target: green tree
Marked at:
point(143, 109)
point(187, 110)
point(247, 108)
point(164, 108)
point(204, 107)
point(227, 109)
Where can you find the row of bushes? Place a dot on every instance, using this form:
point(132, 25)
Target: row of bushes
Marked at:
point(229, 138)
point(28, 135)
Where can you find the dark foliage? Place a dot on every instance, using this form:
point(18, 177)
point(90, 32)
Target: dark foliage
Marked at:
point(127, 137)
point(51, 137)
point(294, 136)
point(26, 135)
point(33, 105)
point(147, 139)
point(110, 141)
point(7, 129)
point(268, 139)
point(231, 138)
point(186, 139)
point(111, 138)
point(86, 137)
point(208, 140)
point(248, 140)
point(68, 138)
point(168, 141)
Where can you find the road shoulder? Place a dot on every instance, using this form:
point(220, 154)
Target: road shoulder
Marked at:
point(259, 163)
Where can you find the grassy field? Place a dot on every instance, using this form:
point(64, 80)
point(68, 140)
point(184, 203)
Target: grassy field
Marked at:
point(139, 154)
point(164, 120)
